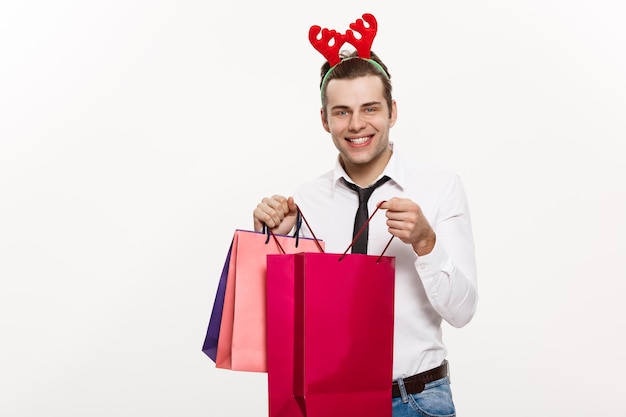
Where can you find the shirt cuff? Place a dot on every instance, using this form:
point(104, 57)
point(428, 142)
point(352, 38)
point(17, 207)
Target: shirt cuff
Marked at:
point(433, 263)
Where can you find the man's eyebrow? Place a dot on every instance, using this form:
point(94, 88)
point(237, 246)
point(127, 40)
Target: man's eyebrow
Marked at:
point(371, 103)
point(368, 104)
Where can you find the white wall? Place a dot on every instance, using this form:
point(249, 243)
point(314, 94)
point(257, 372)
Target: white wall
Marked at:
point(135, 136)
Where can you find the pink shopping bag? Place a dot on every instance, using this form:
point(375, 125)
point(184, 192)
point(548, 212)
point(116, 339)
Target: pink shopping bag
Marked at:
point(330, 334)
point(280, 337)
point(242, 343)
point(343, 341)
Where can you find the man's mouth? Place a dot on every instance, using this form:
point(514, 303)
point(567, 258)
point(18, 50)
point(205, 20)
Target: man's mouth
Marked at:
point(358, 141)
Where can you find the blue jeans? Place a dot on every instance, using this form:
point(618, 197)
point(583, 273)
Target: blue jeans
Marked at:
point(434, 401)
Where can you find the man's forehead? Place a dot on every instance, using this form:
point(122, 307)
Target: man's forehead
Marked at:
point(355, 91)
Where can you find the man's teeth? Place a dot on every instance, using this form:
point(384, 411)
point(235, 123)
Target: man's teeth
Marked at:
point(358, 141)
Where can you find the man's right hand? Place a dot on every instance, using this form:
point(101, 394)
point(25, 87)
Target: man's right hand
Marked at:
point(276, 212)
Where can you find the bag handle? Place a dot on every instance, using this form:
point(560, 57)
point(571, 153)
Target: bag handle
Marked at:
point(361, 231)
point(299, 225)
point(296, 233)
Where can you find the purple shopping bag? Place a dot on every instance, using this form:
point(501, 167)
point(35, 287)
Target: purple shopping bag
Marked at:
point(212, 335)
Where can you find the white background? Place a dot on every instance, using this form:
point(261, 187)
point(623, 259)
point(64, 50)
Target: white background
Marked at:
point(136, 136)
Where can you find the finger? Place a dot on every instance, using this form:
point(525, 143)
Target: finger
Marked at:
point(401, 216)
point(398, 231)
point(393, 204)
point(278, 203)
point(384, 205)
point(262, 216)
point(293, 207)
point(398, 204)
point(270, 211)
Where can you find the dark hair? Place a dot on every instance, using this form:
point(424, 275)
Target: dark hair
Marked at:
point(349, 68)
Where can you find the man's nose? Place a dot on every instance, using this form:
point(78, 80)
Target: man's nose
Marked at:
point(357, 122)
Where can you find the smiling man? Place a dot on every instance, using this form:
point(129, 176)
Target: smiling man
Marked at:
point(425, 208)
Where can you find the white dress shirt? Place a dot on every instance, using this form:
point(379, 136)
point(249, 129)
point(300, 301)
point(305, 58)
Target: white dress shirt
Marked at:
point(429, 288)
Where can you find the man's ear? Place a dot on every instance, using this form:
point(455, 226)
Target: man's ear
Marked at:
point(394, 113)
point(324, 120)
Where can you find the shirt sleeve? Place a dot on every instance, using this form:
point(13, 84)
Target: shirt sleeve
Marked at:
point(448, 272)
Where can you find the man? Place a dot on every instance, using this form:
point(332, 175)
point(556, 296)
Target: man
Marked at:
point(425, 208)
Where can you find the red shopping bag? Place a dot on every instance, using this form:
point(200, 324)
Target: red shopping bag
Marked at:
point(330, 334)
point(242, 344)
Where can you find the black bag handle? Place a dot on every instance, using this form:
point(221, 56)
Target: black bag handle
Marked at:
point(296, 233)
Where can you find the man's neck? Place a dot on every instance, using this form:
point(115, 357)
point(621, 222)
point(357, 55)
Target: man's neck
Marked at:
point(364, 175)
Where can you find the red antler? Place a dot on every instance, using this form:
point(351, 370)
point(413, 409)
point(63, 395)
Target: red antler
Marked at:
point(330, 52)
point(363, 45)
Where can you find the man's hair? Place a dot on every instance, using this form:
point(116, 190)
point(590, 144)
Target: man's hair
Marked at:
point(353, 67)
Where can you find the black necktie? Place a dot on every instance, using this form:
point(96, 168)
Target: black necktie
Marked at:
point(360, 245)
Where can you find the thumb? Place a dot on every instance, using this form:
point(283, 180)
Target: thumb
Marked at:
point(293, 207)
point(384, 205)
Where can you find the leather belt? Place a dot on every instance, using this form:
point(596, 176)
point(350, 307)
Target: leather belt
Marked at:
point(416, 383)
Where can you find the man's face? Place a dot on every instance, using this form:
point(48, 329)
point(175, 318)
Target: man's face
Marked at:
point(358, 120)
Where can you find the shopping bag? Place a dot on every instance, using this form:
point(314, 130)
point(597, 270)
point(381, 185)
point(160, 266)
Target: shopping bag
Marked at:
point(343, 338)
point(280, 337)
point(330, 334)
point(209, 347)
point(242, 343)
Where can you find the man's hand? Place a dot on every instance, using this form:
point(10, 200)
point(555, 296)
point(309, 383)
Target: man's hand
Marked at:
point(276, 212)
point(406, 221)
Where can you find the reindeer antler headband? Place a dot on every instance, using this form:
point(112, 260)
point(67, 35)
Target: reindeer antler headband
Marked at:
point(331, 41)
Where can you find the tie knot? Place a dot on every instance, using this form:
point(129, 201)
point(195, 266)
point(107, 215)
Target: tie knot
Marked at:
point(359, 245)
point(365, 193)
